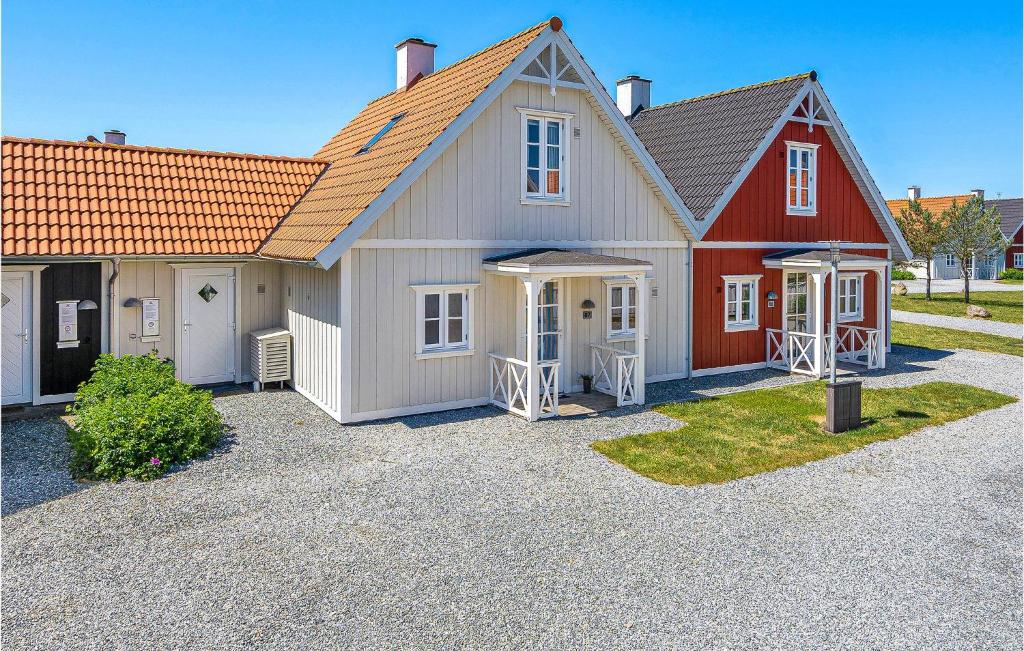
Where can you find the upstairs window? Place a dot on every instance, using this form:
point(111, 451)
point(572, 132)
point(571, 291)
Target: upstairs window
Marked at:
point(801, 178)
point(380, 134)
point(545, 157)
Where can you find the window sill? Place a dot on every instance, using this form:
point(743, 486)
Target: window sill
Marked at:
point(844, 318)
point(531, 201)
point(440, 354)
point(793, 212)
point(742, 328)
point(615, 338)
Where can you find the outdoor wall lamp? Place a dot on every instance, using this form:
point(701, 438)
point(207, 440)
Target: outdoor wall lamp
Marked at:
point(132, 302)
point(588, 308)
point(772, 296)
point(87, 305)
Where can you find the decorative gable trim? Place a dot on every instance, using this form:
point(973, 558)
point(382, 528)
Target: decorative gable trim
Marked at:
point(551, 36)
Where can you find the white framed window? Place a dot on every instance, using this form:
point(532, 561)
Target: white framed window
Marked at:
point(741, 302)
point(621, 309)
point(545, 157)
point(1018, 260)
point(950, 260)
point(444, 320)
point(801, 178)
point(851, 297)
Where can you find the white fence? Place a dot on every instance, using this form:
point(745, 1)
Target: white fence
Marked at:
point(510, 386)
point(796, 351)
point(614, 373)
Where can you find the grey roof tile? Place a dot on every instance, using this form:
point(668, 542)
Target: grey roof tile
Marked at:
point(702, 143)
point(1011, 214)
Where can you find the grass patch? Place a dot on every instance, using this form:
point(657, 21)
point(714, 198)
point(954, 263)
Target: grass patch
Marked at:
point(1011, 281)
point(1004, 306)
point(922, 336)
point(747, 433)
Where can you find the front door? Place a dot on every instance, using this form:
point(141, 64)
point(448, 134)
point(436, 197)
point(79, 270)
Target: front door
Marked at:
point(796, 302)
point(70, 325)
point(207, 354)
point(16, 332)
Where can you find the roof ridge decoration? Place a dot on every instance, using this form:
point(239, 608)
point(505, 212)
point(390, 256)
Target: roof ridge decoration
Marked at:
point(159, 150)
point(356, 190)
point(811, 74)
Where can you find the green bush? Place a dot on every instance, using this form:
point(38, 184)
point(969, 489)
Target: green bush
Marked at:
point(1011, 274)
point(132, 418)
point(900, 274)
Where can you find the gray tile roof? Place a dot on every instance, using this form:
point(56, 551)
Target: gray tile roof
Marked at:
point(702, 143)
point(1011, 214)
point(561, 257)
point(819, 255)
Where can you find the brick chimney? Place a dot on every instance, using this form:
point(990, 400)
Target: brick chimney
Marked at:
point(632, 93)
point(914, 192)
point(114, 137)
point(415, 59)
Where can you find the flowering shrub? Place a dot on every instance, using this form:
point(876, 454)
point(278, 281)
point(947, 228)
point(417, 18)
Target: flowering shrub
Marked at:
point(132, 418)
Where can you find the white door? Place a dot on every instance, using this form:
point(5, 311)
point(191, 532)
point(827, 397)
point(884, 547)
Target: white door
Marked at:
point(207, 354)
point(16, 332)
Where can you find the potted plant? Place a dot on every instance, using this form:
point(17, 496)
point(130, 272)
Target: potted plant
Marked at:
point(588, 382)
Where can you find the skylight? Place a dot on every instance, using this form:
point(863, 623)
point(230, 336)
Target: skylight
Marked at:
point(380, 134)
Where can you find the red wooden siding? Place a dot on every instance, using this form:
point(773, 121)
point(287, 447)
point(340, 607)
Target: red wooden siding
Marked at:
point(757, 212)
point(713, 347)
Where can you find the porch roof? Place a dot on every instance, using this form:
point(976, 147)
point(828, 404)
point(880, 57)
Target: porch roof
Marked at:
point(562, 262)
point(819, 258)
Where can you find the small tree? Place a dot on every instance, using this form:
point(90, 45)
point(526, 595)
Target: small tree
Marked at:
point(924, 233)
point(970, 230)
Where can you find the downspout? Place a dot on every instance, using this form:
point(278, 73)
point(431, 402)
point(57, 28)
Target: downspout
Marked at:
point(110, 302)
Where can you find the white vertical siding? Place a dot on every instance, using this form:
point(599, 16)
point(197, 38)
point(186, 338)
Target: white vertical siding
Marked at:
point(472, 192)
point(155, 279)
point(310, 311)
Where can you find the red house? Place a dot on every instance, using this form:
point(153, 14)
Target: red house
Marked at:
point(771, 174)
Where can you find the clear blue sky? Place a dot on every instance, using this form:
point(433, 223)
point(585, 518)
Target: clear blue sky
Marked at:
point(930, 91)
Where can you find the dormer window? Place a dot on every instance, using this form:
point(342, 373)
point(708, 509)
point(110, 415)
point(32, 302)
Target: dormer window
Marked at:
point(380, 134)
point(801, 178)
point(545, 157)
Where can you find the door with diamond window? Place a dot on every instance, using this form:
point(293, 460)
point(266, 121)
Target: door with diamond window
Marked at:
point(207, 328)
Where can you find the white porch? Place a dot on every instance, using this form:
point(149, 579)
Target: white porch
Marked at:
point(803, 344)
point(529, 381)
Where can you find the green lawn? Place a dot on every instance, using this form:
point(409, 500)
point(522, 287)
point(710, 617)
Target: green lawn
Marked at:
point(1004, 306)
point(922, 336)
point(733, 436)
point(1011, 281)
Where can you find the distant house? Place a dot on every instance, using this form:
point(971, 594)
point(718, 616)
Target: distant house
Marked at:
point(485, 233)
point(985, 265)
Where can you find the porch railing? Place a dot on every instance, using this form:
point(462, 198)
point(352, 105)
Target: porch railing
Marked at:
point(795, 351)
point(858, 345)
point(614, 373)
point(509, 386)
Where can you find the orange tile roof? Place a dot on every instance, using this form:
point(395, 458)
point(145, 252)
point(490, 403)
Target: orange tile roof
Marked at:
point(934, 204)
point(353, 182)
point(85, 198)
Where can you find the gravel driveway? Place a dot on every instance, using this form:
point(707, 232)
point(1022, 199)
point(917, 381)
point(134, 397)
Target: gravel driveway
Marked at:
point(961, 323)
point(475, 529)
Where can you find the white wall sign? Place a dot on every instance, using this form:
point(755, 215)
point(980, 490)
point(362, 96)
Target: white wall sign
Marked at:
point(67, 324)
point(150, 319)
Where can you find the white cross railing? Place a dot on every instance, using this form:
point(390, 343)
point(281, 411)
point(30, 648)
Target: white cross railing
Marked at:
point(858, 345)
point(614, 373)
point(508, 377)
point(791, 351)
